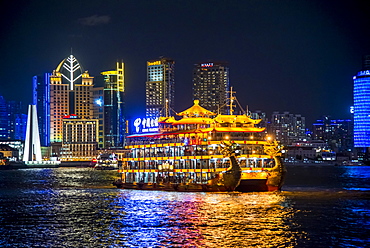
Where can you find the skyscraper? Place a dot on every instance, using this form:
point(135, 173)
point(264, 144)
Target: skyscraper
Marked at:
point(12, 120)
point(70, 97)
point(160, 87)
point(361, 100)
point(70, 94)
point(210, 85)
point(114, 118)
point(4, 120)
point(98, 112)
point(41, 98)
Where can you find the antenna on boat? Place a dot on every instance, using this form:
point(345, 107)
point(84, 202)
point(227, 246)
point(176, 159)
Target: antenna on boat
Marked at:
point(166, 108)
point(231, 101)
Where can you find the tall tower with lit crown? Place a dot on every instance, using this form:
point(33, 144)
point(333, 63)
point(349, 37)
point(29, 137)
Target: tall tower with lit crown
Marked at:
point(70, 94)
point(114, 107)
point(160, 87)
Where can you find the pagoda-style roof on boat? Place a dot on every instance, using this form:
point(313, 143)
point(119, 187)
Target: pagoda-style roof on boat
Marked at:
point(192, 120)
point(168, 120)
point(236, 119)
point(202, 130)
point(196, 110)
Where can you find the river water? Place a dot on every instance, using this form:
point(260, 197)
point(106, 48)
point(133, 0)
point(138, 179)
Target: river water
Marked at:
point(327, 206)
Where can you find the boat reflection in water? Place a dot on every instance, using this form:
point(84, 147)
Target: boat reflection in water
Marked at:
point(204, 219)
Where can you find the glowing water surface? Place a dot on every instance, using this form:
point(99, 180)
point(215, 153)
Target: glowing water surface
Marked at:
point(77, 207)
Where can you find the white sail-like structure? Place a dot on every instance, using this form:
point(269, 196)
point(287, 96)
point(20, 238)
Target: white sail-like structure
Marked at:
point(32, 148)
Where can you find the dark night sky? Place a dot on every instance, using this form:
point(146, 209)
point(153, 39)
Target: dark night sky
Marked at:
point(297, 56)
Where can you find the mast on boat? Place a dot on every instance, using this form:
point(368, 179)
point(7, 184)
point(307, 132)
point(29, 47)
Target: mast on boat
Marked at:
point(231, 101)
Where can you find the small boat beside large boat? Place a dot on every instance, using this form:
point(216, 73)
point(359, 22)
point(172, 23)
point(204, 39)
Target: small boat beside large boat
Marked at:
point(204, 152)
point(106, 161)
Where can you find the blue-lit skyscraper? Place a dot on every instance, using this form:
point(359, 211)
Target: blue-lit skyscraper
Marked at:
point(12, 120)
point(4, 127)
point(361, 99)
point(41, 98)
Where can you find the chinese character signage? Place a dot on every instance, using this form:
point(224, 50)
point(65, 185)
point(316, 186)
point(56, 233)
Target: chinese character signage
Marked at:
point(145, 125)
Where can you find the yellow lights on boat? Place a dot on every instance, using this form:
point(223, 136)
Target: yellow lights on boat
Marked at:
point(268, 138)
point(226, 137)
point(165, 167)
point(253, 151)
point(251, 137)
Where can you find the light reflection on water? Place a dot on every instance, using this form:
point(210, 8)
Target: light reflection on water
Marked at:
point(203, 219)
point(78, 207)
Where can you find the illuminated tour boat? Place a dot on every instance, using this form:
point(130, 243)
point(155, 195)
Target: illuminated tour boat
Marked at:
point(202, 151)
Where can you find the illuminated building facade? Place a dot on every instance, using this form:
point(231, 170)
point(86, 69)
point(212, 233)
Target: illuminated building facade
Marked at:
point(114, 107)
point(210, 85)
point(98, 113)
point(259, 115)
point(287, 127)
point(12, 120)
point(338, 134)
point(160, 87)
point(79, 138)
point(41, 98)
point(361, 100)
point(4, 127)
point(70, 93)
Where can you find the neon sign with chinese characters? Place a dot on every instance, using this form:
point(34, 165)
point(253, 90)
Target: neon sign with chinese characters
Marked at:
point(145, 125)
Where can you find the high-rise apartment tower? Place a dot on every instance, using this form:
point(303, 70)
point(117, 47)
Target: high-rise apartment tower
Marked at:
point(160, 87)
point(211, 85)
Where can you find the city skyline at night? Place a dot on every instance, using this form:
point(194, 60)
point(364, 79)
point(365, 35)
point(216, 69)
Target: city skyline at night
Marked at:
point(283, 56)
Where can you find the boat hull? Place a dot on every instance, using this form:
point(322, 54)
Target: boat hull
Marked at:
point(246, 185)
point(192, 187)
point(256, 185)
point(262, 181)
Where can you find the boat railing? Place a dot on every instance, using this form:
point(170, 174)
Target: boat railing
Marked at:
point(200, 165)
point(245, 153)
point(134, 141)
